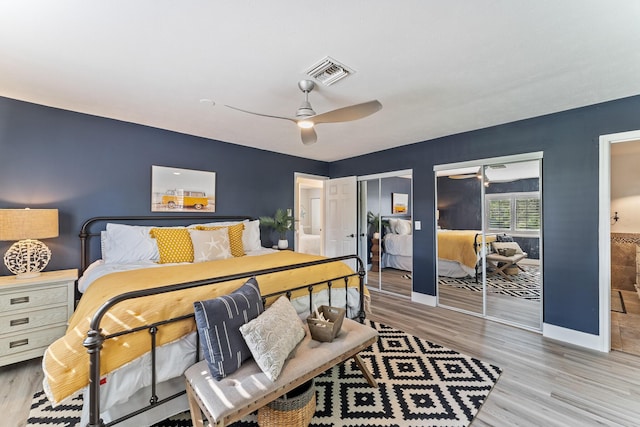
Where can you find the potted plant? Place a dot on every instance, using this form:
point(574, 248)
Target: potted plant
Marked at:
point(281, 222)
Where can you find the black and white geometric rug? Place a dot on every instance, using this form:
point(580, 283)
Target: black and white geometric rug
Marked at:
point(525, 284)
point(419, 384)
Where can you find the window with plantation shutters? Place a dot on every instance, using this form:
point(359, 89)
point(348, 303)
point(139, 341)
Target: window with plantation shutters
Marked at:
point(499, 214)
point(527, 214)
point(515, 213)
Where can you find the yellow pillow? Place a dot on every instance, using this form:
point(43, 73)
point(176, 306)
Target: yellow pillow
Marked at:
point(235, 237)
point(174, 244)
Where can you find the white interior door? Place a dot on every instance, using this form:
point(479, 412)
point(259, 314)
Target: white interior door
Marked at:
point(341, 208)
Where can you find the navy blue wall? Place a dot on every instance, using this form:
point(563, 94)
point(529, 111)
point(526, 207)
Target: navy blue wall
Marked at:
point(570, 200)
point(459, 202)
point(89, 166)
point(389, 185)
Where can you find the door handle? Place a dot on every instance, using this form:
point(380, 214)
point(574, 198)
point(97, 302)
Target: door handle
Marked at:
point(351, 235)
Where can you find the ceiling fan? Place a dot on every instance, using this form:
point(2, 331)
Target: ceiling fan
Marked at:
point(306, 118)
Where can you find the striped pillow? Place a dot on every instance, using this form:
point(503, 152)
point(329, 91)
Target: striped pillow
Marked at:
point(235, 237)
point(219, 321)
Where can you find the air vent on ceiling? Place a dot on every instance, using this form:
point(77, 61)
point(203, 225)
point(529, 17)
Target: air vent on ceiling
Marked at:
point(328, 71)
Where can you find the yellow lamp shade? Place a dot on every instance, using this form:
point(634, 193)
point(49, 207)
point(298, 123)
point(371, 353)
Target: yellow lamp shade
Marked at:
point(19, 224)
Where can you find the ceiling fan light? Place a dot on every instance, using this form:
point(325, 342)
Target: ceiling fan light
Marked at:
point(305, 124)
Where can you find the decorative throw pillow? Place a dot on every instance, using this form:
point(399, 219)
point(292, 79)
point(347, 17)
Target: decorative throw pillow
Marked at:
point(218, 322)
point(174, 244)
point(504, 238)
point(273, 335)
point(235, 237)
point(209, 245)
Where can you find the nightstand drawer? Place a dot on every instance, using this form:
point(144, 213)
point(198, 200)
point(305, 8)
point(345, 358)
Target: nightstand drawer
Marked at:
point(33, 297)
point(30, 341)
point(33, 319)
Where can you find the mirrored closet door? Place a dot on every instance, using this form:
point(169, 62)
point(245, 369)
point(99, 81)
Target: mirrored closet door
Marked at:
point(489, 228)
point(386, 231)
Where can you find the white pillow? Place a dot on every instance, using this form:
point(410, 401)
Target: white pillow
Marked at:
point(214, 224)
point(209, 245)
point(251, 236)
point(273, 335)
point(403, 226)
point(128, 243)
point(392, 225)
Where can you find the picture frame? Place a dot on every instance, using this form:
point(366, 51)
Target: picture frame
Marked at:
point(399, 203)
point(182, 190)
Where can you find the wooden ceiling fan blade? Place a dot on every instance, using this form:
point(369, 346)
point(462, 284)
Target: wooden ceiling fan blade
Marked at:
point(308, 136)
point(260, 114)
point(346, 114)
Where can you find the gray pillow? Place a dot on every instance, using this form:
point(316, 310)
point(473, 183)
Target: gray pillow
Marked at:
point(218, 322)
point(273, 335)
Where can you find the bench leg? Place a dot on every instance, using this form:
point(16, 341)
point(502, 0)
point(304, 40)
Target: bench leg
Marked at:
point(194, 408)
point(365, 371)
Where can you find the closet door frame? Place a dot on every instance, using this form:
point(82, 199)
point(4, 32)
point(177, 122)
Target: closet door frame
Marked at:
point(379, 177)
point(480, 163)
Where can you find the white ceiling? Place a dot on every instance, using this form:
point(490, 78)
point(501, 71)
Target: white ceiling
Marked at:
point(438, 67)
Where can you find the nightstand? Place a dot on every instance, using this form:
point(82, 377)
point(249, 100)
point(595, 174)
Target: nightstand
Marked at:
point(34, 313)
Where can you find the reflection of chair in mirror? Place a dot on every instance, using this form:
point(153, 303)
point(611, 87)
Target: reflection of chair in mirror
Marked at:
point(505, 256)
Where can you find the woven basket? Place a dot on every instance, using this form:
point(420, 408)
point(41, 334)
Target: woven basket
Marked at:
point(511, 271)
point(294, 409)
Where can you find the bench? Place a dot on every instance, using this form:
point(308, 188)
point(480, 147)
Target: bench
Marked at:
point(248, 389)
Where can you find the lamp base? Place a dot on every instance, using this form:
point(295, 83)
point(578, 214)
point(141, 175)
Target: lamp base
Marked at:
point(29, 275)
point(27, 258)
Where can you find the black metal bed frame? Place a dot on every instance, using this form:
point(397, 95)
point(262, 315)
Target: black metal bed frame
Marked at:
point(95, 338)
point(477, 245)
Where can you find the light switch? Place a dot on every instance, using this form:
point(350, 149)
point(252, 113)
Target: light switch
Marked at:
point(418, 225)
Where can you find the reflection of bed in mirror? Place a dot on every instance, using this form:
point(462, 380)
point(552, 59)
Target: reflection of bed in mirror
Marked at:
point(308, 243)
point(457, 252)
point(397, 246)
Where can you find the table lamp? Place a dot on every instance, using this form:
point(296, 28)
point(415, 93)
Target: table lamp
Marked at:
point(27, 257)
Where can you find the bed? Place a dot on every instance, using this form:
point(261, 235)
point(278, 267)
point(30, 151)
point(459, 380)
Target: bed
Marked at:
point(137, 306)
point(397, 244)
point(459, 252)
point(308, 243)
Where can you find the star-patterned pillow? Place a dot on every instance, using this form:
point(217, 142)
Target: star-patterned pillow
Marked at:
point(209, 245)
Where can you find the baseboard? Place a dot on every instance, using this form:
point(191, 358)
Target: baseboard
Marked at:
point(570, 336)
point(425, 299)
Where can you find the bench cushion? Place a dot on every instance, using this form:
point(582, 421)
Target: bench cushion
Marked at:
point(248, 384)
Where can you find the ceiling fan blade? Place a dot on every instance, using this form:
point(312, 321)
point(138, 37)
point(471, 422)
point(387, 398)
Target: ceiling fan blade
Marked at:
point(308, 136)
point(260, 114)
point(346, 114)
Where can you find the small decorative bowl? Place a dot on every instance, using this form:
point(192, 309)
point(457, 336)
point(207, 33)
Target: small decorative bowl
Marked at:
point(326, 330)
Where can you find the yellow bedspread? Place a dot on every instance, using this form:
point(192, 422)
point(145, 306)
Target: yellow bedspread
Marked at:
point(457, 245)
point(66, 362)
